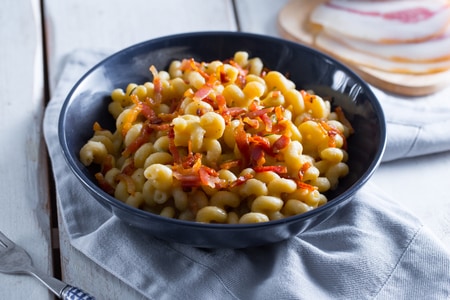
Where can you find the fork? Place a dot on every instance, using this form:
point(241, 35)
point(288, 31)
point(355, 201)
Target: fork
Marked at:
point(15, 260)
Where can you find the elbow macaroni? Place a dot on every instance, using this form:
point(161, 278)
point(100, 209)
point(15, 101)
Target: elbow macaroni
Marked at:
point(222, 142)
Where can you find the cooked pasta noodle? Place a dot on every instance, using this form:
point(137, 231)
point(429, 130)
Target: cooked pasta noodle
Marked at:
point(221, 141)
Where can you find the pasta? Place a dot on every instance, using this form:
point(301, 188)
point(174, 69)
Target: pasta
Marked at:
point(220, 142)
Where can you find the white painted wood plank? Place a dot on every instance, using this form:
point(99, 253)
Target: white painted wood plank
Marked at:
point(24, 213)
point(419, 184)
point(113, 25)
point(259, 16)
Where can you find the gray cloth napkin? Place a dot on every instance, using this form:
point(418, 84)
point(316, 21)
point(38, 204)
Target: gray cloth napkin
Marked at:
point(371, 249)
point(416, 125)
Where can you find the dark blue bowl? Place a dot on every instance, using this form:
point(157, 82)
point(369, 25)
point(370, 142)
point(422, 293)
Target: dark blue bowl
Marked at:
point(309, 69)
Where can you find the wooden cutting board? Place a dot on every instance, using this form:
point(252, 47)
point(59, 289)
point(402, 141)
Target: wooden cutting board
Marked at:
point(293, 25)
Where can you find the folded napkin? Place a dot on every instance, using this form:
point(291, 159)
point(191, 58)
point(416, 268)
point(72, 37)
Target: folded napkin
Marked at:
point(371, 249)
point(416, 125)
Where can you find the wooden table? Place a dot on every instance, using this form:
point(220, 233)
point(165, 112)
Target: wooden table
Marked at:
point(37, 35)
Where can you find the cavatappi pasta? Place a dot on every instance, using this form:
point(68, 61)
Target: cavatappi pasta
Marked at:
point(220, 141)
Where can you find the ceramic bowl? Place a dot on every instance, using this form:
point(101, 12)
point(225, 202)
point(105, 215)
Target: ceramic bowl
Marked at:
point(88, 100)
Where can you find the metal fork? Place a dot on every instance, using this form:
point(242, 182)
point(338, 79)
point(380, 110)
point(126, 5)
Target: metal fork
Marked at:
point(15, 260)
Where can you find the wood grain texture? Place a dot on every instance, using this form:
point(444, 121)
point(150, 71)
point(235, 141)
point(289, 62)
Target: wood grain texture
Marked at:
point(259, 16)
point(24, 213)
point(111, 26)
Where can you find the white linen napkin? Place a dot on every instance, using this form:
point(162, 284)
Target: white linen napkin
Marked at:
point(416, 125)
point(371, 249)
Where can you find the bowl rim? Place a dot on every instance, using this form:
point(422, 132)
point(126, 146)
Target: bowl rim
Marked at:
point(116, 203)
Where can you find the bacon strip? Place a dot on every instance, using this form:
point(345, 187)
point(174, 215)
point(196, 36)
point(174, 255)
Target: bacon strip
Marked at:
point(254, 136)
point(104, 185)
point(385, 22)
point(143, 137)
point(344, 52)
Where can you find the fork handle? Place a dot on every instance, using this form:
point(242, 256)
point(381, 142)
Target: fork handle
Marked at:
point(60, 288)
point(74, 293)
